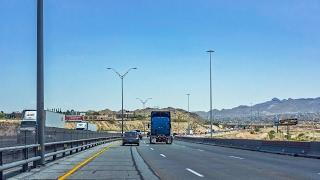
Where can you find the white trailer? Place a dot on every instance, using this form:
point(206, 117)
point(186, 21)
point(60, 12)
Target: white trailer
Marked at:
point(86, 126)
point(52, 119)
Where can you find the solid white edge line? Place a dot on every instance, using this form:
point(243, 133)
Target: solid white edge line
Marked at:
point(236, 157)
point(194, 172)
point(163, 155)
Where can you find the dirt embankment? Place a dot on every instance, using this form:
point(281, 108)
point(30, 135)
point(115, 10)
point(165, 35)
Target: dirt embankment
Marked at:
point(9, 127)
point(177, 127)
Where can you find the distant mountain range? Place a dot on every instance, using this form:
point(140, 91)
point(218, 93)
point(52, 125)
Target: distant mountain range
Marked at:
point(309, 107)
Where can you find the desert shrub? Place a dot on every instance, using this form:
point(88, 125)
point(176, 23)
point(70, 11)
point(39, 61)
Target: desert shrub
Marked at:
point(271, 134)
point(287, 136)
point(300, 135)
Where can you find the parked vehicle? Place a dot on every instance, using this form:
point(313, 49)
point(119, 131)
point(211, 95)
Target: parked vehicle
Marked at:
point(160, 127)
point(86, 126)
point(131, 137)
point(52, 119)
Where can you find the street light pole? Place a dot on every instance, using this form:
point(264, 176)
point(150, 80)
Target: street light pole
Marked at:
point(122, 114)
point(188, 113)
point(210, 51)
point(40, 82)
point(121, 77)
point(144, 102)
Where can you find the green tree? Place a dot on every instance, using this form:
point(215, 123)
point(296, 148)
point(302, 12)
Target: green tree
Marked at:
point(2, 115)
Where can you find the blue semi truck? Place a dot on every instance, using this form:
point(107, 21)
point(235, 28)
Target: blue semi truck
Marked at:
point(160, 127)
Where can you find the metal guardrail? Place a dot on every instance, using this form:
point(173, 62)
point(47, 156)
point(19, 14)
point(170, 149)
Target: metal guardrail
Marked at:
point(29, 153)
point(303, 149)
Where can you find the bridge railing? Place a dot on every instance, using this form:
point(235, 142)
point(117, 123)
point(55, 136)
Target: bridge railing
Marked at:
point(24, 157)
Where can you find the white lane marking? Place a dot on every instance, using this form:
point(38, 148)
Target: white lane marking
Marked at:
point(152, 149)
point(235, 157)
point(147, 145)
point(163, 155)
point(200, 150)
point(194, 172)
point(318, 173)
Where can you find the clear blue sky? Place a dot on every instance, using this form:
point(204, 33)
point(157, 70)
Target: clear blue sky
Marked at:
point(264, 49)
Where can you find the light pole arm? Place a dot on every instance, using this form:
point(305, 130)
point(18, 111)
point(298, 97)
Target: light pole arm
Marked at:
point(128, 72)
point(140, 100)
point(116, 72)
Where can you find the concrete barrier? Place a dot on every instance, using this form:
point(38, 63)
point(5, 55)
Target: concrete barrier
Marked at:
point(303, 149)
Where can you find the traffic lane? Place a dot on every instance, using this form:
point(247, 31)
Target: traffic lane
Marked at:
point(283, 162)
point(163, 167)
point(186, 163)
point(212, 165)
point(115, 163)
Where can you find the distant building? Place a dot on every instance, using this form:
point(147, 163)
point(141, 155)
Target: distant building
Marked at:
point(102, 117)
point(126, 115)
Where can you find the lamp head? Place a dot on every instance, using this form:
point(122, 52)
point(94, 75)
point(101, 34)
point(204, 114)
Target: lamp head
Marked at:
point(210, 51)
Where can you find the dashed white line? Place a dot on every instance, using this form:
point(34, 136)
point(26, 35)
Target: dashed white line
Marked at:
point(152, 149)
point(318, 173)
point(235, 157)
point(147, 145)
point(200, 150)
point(163, 155)
point(194, 172)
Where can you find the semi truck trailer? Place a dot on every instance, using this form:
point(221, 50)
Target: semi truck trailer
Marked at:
point(52, 119)
point(86, 126)
point(160, 130)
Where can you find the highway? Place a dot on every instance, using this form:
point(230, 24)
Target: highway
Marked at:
point(183, 160)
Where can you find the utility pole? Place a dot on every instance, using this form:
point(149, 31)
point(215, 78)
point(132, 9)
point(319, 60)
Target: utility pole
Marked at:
point(121, 77)
point(210, 52)
point(40, 83)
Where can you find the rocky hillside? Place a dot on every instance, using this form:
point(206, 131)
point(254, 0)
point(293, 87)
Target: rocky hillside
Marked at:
point(141, 118)
point(309, 107)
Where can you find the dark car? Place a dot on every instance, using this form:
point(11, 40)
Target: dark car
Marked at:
point(139, 133)
point(131, 137)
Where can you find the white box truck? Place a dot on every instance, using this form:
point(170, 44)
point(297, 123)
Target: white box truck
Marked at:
point(86, 126)
point(52, 119)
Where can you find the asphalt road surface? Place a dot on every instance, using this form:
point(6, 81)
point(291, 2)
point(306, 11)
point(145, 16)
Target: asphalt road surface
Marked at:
point(183, 160)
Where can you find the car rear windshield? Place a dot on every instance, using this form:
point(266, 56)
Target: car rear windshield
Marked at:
point(130, 134)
